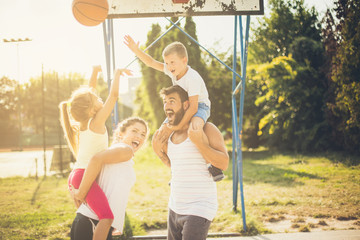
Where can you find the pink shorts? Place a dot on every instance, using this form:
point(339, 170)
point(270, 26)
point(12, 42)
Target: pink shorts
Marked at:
point(95, 198)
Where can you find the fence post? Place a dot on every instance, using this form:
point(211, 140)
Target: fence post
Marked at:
point(36, 169)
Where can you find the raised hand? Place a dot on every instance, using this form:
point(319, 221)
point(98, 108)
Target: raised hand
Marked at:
point(120, 72)
point(130, 43)
point(97, 68)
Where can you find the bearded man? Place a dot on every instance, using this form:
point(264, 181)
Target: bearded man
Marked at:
point(193, 196)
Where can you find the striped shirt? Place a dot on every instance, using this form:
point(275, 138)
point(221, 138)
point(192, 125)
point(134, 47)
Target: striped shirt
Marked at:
point(193, 191)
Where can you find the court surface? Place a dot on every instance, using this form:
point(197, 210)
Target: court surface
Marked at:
point(22, 163)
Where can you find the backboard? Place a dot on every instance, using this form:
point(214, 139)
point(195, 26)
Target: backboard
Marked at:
point(167, 8)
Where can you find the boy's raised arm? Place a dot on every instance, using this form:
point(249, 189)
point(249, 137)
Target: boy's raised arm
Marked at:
point(144, 57)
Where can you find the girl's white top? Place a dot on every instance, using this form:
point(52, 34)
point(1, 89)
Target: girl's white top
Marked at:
point(193, 191)
point(192, 83)
point(90, 143)
point(116, 181)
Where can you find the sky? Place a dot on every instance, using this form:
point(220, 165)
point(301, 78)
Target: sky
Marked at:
point(59, 43)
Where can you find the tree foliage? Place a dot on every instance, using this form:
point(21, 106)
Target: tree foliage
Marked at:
point(342, 41)
point(9, 111)
point(288, 20)
point(291, 115)
point(288, 86)
point(219, 85)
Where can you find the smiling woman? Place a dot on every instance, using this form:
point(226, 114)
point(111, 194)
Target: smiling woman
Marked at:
point(116, 178)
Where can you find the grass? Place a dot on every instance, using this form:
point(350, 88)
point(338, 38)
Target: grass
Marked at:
point(275, 186)
point(32, 209)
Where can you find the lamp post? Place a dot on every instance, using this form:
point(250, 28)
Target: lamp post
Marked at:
point(17, 41)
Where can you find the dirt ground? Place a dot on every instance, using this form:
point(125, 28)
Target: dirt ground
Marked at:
point(288, 223)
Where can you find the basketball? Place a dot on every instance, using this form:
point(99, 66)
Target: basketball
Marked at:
point(90, 12)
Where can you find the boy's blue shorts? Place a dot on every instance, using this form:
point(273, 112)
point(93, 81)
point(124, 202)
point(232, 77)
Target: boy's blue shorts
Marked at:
point(203, 112)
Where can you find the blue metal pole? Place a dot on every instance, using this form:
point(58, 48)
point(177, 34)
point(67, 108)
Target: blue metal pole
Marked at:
point(107, 55)
point(108, 33)
point(234, 123)
point(111, 62)
point(115, 113)
point(111, 30)
point(241, 43)
point(238, 87)
point(240, 161)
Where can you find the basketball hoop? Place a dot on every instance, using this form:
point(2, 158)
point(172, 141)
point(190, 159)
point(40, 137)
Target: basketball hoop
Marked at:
point(176, 8)
point(180, 1)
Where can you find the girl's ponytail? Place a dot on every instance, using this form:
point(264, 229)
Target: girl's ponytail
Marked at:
point(70, 131)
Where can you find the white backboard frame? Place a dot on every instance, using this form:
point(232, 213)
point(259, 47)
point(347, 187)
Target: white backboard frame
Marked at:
point(166, 8)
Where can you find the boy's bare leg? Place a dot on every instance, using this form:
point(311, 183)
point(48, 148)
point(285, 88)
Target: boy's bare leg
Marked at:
point(198, 123)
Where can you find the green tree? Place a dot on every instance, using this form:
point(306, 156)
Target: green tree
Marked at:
point(288, 20)
point(292, 101)
point(9, 107)
point(342, 41)
point(219, 85)
point(287, 79)
point(56, 89)
point(255, 87)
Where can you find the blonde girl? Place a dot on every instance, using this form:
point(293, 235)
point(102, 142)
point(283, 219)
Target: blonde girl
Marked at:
point(83, 119)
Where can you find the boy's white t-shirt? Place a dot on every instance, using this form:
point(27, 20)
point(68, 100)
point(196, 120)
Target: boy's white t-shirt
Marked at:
point(116, 180)
point(192, 83)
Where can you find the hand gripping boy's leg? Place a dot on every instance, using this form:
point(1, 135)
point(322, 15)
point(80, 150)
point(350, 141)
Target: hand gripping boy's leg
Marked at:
point(164, 133)
point(196, 124)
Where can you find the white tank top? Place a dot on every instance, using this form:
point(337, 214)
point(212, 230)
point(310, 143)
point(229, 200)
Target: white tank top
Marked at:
point(116, 181)
point(90, 143)
point(193, 191)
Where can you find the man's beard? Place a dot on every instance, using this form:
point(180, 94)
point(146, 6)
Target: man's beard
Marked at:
point(178, 116)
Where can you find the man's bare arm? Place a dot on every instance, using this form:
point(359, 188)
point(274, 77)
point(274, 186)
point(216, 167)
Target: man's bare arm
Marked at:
point(215, 151)
point(160, 148)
